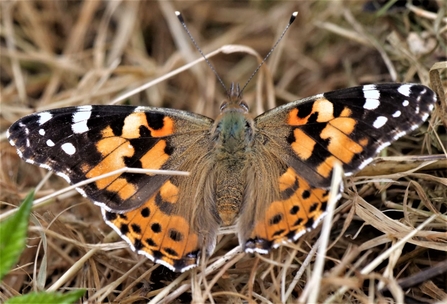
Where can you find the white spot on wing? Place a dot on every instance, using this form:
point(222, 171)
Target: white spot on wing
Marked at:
point(372, 96)
point(363, 164)
point(45, 166)
point(371, 104)
point(302, 232)
point(382, 146)
point(42, 132)
point(64, 176)
point(414, 127)
point(80, 190)
point(369, 87)
point(44, 117)
point(399, 135)
point(80, 119)
point(50, 143)
point(405, 103)
point(380, 122)
point(405, 89)
point(258, 250)
point(68, 148)
point(397, 113)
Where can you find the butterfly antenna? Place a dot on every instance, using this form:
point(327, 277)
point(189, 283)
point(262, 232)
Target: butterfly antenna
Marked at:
point(182, 21)
point(292, 18)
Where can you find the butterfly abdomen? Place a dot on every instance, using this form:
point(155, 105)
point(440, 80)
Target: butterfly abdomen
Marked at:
point(230, 188)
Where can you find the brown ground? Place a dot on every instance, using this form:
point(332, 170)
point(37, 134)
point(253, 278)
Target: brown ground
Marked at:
point(61, 53)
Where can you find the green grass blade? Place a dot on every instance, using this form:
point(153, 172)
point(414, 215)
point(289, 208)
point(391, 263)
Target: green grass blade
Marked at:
point(13, 235)
point(48, 297)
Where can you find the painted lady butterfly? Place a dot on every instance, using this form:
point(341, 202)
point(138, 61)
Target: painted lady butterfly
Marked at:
point(269, 175)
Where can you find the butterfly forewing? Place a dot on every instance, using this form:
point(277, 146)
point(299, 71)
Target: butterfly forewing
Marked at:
point(85, 142)
point(349, 125)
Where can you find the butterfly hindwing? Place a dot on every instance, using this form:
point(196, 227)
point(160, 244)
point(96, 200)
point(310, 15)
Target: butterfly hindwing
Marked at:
point(298, 209)
point(157, 232)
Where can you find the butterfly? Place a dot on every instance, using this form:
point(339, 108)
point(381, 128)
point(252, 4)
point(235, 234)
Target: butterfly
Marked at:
point(268, 175)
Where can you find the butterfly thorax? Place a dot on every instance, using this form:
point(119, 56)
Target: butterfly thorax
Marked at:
point(233, 136)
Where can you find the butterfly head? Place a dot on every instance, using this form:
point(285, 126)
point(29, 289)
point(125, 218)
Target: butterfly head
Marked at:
point(234, 101)
point(234, 128)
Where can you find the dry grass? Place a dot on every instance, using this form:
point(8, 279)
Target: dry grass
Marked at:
point(390, 227)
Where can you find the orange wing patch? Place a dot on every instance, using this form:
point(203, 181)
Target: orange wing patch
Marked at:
point(299, 210)
point(322, 106)
point(155, 231)
point(115, 149)
point(340, 145)
point(303, 147)
point(134, 120)
point(155, 157)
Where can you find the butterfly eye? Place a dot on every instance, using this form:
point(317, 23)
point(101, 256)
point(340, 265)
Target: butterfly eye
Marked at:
point(244, 105)
point(223, 105)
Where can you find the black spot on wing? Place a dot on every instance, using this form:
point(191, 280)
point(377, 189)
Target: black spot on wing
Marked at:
point(304, 110)
point(124, 229)
point(291, 137)
point(155, 120)
point(145, 212)
point(171, 251)
point(306, 194)
point(298, 222)
point(313, 207)
point(157, 254)
point(138, 244)
point(156, 228)
point(136, 228)
point(110, 216)
point(278, 232)
point(144, 132)
point(175, 235)
point(275, 219)
point(313, 118)
point(151, 242)
point(294, 210)
point(310, 223)
point(169, 149)
point(117, 127)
